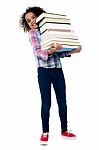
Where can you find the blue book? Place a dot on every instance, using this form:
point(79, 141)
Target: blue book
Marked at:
point(66, 49)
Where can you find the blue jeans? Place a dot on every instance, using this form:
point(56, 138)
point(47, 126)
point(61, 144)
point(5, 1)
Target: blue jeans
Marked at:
point(46, 77)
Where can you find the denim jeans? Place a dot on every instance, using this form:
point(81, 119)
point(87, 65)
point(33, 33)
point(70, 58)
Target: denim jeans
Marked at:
point(46, 77)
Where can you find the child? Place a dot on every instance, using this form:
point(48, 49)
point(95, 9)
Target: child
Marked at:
point(49, 72)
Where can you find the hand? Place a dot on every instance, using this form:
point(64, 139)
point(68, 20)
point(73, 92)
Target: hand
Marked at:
point(79, 48)
point(54, 47)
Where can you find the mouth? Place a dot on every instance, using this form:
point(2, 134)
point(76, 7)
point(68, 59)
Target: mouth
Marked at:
point(34, 25)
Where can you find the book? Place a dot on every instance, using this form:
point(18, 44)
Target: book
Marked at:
point(51, 15)
point(44, 38)
point(54, 20)
point(65, 44)
point(56, 32)
point(54, 26)
point(64, 47)
point(62, 40)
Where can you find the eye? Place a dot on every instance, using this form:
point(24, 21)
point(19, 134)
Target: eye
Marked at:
point(28, 21)
point(33, 17)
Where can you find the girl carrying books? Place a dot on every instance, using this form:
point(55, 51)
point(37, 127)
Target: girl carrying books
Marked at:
point(49, 69)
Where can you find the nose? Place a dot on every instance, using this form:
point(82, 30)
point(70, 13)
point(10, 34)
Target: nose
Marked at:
point(33, 21)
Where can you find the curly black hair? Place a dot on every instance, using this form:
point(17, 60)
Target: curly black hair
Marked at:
point(22, 22)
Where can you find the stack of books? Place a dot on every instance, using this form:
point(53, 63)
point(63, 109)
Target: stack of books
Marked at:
point(56, 28)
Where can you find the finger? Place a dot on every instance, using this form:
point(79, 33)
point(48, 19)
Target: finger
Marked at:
point(53, 45)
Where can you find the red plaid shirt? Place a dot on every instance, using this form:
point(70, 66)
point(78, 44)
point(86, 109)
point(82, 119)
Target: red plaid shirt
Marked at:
point(42, 57)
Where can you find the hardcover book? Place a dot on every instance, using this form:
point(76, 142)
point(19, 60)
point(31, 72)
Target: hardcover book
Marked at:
point(54, 20)
point(51, 15)
point(62, 33)
point(54, 26)
point(64, 47)
point(60, 40)
point(72, 37)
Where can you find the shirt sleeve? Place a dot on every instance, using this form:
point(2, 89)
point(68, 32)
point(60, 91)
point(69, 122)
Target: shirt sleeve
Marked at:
point(34, 39)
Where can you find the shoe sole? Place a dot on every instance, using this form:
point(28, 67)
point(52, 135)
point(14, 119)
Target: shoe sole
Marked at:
point(69, 138)
point(44, 143)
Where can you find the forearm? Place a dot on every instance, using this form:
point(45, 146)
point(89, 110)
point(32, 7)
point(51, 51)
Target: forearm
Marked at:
point(43, 54)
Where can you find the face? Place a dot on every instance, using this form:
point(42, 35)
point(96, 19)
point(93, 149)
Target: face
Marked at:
point(31, 20)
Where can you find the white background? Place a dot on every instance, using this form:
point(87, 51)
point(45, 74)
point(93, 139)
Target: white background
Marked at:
point(20, 122)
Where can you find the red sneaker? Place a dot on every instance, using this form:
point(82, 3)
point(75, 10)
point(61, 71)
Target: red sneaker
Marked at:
point(44, 139)
point(68, 135)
